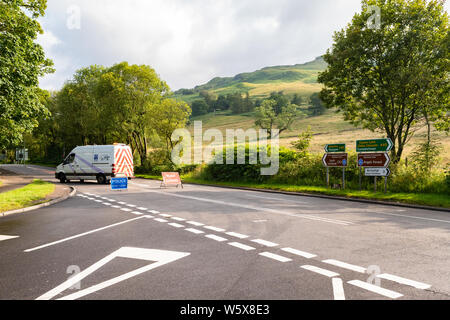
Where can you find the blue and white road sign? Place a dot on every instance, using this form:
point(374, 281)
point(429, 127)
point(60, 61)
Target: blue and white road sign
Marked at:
point(361, 162)
point(119, 183)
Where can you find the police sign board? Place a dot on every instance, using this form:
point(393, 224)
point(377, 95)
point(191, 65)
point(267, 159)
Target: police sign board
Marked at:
point(119, 183)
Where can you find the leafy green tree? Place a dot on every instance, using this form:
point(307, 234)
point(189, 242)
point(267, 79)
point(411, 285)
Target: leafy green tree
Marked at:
point(303, 142)
point(22, 62)
point(281, 101)
point(199, 107)
point(382, 78)
point(297, 99)
point(317, 107)
point(267, 118)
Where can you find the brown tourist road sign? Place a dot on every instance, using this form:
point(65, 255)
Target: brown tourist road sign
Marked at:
point(377, 160)
point(335, 160)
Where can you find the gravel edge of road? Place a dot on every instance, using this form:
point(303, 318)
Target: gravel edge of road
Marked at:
point(387, 203)
point(38, 206)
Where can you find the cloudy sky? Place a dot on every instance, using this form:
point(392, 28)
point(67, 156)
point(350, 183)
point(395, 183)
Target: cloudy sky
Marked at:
point(188, 42)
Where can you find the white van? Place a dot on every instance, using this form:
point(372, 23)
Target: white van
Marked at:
point(99, 163)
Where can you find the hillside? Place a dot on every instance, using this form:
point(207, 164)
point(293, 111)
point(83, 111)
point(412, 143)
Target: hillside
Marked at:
point(299, 78)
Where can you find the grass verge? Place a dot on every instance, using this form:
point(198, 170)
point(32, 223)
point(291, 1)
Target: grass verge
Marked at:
point(427, 199)
point(32, 194)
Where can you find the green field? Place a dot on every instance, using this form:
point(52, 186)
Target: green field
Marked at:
point(31, 194)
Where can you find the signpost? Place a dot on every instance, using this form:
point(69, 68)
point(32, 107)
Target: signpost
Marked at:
point(22, 155)
point(376, 160)
point(374, 145)
point(335, 160)
point(119, 183)
point(377, 172)
point(171, 178)
point(329, 148)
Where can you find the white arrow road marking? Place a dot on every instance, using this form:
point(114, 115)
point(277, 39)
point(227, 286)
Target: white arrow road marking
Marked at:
point(3, 238)
point(345, 265)
point(370, 287)
point(160, 258)
point(299, 253)
point(82, 234)
point(412, 283)
point(338, 289)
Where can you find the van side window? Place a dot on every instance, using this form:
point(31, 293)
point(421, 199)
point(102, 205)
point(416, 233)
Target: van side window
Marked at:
point(70, 159)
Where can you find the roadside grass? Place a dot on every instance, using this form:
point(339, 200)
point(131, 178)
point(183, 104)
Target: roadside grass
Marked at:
point(428, 199)
point(32, 194)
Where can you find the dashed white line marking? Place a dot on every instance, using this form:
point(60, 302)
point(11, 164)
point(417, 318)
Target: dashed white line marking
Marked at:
point(265, 243)
point(237, 235)
point(299, 253)
point(3, 238)
point(116, 207)
point(321, 271)
point(338, 289)
point(216, 238)
point(198, 224)
point(81, 234)
point(122, 202)
point(176, 225)
point(178, 219)
point(106, 203)
point(126, 209)
point(275, 257)
point(412, 283)
point(165, 215)
point(241, 246)
point(260, 221)
point(161, 220)
point(345, 265)
point(214, 229)
point(373, 288)
point(137, 213)
point(194, 231)
point(111, 200)
point(142, 208)
point(153, 211)
point(98, 200)
point(131, 205)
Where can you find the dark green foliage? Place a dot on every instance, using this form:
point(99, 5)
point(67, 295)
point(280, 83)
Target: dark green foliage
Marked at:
point(199, 107)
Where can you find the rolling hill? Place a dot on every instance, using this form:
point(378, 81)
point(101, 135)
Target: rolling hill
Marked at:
point(299, 78)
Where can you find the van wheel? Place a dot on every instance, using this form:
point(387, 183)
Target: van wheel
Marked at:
point(62, 177)
point(101, 179)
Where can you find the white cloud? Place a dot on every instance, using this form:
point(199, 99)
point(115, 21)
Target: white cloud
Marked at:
point(190, 42)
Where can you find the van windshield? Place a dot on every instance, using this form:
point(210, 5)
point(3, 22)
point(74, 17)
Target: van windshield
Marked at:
point(70, 158)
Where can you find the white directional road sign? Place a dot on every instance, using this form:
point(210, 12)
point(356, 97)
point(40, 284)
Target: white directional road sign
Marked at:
point(377, 172)
point(157, 258)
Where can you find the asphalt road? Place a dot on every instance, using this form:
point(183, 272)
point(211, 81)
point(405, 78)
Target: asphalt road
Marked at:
point(213, 243)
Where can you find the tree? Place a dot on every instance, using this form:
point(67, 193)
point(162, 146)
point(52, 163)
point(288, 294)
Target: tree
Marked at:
point(297, 100)
point(317, 106)
point(281, 101)
point(303, 142)
point(199, 107)
point(268, 119)
point(22, 62)
point(382, 78)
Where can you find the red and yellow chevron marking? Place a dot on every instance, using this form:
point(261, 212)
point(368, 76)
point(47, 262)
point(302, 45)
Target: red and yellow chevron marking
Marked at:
point(124, 162)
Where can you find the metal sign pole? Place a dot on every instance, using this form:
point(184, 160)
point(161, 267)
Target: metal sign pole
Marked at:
point(360, 179)
point(375, 179)
point(328, 177)
point(343, 178)
point(385, 184)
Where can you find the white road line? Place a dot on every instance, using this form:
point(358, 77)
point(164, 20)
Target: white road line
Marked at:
point(98, 200)
point(237, 235)
point(275, 257)
point(126, 209)
point(165, 215)
point(131, 205)
point(275, 211)
point(122, 202)
point(107, 203)
point(116, 207)
point(111, 200)
point(198, 224)
point(412, 283)
point(142, 208)
point(178, 219)
point(345, 265)
point(81, 235)
point(265, 243)
point(176, 225)
point(214, 229)
point(411, 217)
point(194, 231)
point(321, 271)
point(272, 198)
point(216, 238)
point(160, 220)
point(338, 289)
point(299, 253)
point(373, 288)
point(241, 246)
point(3, 238)
point(153, 211)
point(137, 213)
